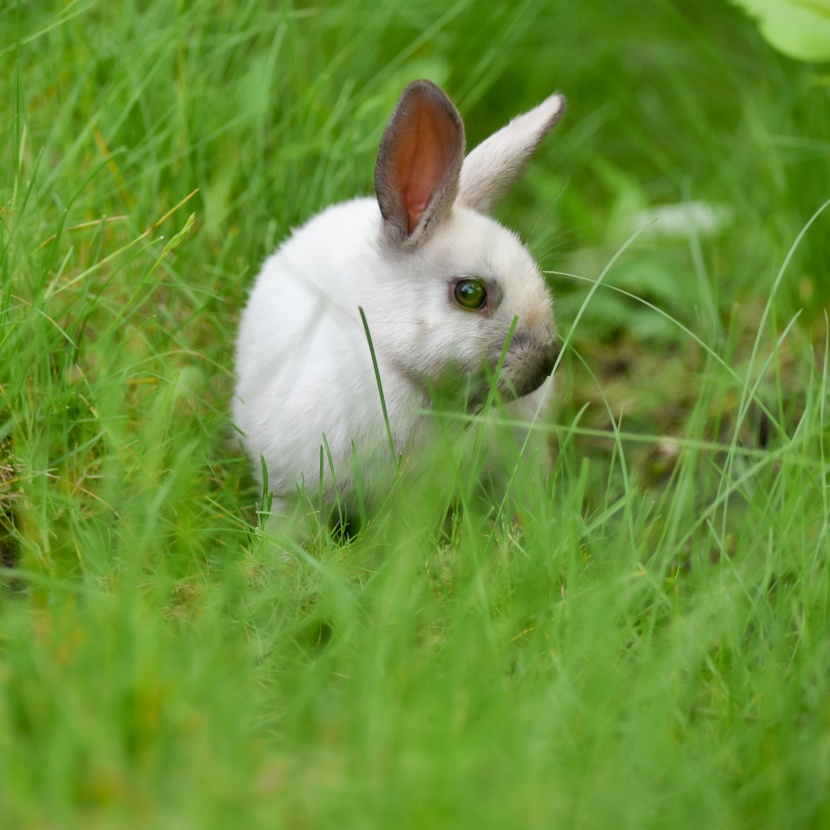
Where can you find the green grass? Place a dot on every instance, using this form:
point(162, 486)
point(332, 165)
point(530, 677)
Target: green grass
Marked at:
point(641, 641)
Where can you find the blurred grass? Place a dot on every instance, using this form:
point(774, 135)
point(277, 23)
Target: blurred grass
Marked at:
point(644, 643)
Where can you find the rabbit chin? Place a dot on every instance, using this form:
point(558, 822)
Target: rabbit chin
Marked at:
point(515, 385)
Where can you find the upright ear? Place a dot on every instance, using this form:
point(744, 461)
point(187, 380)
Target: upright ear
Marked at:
point(499, 160)
point(419, 162)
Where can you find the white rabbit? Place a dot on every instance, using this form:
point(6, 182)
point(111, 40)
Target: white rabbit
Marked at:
point(440, 284)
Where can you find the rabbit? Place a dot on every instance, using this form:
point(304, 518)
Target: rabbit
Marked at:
point(439, 282)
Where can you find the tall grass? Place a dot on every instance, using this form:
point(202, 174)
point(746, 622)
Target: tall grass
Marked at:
point(639, 640)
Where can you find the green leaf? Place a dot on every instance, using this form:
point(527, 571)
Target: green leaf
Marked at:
point(798, 28)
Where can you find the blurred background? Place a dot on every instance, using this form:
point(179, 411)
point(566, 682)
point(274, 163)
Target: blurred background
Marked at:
point(643, 644)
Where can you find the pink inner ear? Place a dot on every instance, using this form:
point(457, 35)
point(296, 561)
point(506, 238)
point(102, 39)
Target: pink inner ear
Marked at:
point(423, 155)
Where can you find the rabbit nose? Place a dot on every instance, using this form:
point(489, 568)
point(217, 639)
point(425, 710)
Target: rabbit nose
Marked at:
point(549, 357)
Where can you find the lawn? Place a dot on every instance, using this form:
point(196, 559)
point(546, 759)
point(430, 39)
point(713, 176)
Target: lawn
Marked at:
point(641, 640)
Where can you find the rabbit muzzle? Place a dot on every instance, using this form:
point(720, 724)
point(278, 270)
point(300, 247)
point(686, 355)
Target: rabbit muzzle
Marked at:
point(527, 365)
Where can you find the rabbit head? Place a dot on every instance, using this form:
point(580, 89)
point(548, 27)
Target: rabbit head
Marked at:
point(460, 277)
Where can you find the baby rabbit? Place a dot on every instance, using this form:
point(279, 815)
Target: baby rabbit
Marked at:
point(440, 284)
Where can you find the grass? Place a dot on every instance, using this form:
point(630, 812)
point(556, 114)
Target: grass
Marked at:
point(642, 642)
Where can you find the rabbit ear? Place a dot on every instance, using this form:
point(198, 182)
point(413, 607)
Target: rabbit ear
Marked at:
point(419, 162)
point(499, 160)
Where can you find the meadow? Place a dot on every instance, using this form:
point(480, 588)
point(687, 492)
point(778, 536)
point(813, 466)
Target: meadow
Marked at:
point(641, 640)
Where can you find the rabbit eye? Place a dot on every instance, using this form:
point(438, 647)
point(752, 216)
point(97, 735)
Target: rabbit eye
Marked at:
point(470, 294)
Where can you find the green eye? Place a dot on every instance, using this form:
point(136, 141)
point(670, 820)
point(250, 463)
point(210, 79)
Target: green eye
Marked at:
point(470, 294)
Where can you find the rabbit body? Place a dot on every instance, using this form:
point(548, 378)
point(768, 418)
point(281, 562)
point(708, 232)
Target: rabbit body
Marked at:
point(306, 385)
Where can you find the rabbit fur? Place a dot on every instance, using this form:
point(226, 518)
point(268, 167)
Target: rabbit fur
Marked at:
point(306, 389)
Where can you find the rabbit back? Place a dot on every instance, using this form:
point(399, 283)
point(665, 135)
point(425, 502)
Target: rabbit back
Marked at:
point(305, 378)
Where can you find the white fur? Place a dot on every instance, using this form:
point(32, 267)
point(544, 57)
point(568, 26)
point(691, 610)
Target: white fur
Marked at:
point(304, 369)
